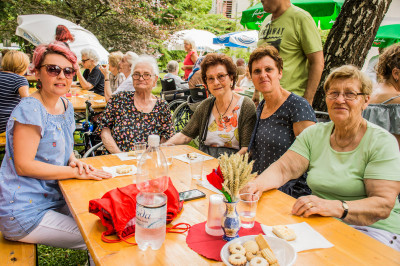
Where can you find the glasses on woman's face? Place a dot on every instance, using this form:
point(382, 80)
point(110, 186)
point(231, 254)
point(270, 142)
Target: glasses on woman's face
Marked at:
point(84, 60)
point(220, 78)
point(145, 76)
point(54, 71)
point(348, 95)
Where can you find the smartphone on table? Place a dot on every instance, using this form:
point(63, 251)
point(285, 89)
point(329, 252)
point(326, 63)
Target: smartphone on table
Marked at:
point(191, 195)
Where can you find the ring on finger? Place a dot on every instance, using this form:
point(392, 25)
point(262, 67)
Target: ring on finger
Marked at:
point(310, 205)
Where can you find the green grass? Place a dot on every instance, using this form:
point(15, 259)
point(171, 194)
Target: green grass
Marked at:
point(60, 256)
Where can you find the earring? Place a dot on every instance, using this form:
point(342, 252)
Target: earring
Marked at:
point(39, 85)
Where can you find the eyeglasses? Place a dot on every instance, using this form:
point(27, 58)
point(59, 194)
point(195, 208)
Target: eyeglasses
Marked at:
point(145, 76)
point(54, 71)
point(84, 60)
point(349, 95)
point(220, 78)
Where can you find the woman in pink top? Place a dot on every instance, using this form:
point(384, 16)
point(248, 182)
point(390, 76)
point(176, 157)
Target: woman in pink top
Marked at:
point(191, 57)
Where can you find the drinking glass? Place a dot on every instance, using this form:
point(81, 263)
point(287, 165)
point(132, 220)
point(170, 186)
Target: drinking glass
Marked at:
point(140, 148)
point(196, 168)
point(168, 150)
point(216, 210)
point(248, 209)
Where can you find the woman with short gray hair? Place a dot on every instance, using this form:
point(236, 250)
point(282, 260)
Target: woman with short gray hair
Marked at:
point(92, 79)
point(173, 69)
point(191, 57)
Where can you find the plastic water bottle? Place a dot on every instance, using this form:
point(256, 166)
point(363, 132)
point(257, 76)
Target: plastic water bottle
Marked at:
point(151, 203)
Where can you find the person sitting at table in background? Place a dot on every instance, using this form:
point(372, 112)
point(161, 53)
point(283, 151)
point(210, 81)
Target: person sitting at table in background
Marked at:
point(125, 67)
point(241, 67)
point(112, 77)
point(13, 84)
point(244, 81)
point(195, 76)
point(3, 53)
point(224, 122)
point(281, 117)
point(92, 79)
point(353, 165)
point(39, 152)
point(384, 107)
point(131, 116)
point(191, 56)
point(64, 35)
point(173, 69)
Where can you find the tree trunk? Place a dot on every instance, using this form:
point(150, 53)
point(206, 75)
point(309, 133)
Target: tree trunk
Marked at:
point(350, 38)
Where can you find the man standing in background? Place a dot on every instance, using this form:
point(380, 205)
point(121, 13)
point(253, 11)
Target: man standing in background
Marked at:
point(293, 32)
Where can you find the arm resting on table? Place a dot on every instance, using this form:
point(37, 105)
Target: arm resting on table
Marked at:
point(108, 141)
point(179, 139)
point(84, 84)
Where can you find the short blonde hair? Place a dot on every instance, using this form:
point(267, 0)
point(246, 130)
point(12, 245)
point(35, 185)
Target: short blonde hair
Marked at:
point(349, 72)
point(15, 61)
point(191, 42)
point(114, 58)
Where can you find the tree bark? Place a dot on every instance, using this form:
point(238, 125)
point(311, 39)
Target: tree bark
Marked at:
point(350, 38)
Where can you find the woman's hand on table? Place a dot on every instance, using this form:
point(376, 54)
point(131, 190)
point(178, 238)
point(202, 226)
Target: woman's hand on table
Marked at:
point(81, 166)
point(309, 205)
point(95, 174)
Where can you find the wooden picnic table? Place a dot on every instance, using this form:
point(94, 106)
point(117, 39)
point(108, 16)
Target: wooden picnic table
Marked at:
point(78, 101)
point(350, 246)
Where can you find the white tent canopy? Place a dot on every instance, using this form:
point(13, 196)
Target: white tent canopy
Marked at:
point(41, 28)
point(203, 40)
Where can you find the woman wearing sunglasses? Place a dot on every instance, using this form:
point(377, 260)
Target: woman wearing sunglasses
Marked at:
point(92, 78)
point(39, 152)
point(224, 122)
point(131, 116)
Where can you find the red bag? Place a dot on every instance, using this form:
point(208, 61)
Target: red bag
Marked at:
point(117, 210)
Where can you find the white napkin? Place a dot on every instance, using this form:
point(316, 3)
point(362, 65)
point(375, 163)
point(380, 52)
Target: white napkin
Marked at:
point(207, 185)
point(99, 101)
point(184, 157)
point(123, 156)
point(113, 170)
point(306, 237)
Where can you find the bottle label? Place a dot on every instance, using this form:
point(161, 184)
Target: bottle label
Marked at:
point(151, 217)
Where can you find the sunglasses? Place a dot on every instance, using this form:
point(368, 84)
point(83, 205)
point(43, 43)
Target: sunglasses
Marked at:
point(54, 71)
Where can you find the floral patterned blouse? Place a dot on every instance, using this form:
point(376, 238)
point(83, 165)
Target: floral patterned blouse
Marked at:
point(129, 125)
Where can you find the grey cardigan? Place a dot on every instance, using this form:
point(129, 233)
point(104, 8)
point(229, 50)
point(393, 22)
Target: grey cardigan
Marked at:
point(247, 120)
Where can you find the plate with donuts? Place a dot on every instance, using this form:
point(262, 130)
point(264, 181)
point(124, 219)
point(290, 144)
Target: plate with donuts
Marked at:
point(258, 250)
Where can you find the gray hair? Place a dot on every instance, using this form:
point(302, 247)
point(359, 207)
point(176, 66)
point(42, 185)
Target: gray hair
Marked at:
point(191, 42)
point(172, 66)
point(131, 57)
point(90, 54)
point(144, 58)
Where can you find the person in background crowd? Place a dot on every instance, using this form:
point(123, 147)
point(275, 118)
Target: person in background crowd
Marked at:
point(241, 66)
point(173, 69)
point(3, 53)
point(384, 107)
point(64, 35)
point(195, 75)
point(92, 79)
point(223, 122)
point(191, 56)
point(39, 152)
point(292, 31)
point(131, 116)
point(245, 81)
point(125, 67)
point(13, 84)
point(353, 165)
point(112, 77)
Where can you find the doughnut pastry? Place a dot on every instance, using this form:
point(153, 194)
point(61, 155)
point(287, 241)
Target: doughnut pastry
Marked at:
point(282, 231)
point(124, 169)
point(237, 260)
point(236, 248)
point(251, 246)
point(257, 261)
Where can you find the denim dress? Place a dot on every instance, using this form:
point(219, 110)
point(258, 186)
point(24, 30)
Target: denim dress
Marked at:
point(25, 200)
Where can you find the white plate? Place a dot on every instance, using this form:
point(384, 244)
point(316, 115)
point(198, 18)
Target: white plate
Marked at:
point(284, 252)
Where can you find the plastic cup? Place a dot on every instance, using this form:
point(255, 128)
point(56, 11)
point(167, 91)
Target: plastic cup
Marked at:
point(140, 148)
point(216, 210)
point(196, 168)
point(168, 150)
point(247, 209)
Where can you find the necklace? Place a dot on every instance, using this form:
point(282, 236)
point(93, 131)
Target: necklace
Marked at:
point(352, 139)
point(222, 116)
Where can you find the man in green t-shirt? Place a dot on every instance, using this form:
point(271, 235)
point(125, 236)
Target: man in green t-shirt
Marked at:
point(293, 32)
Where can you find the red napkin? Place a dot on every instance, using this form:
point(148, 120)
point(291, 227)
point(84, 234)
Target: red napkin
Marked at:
point(210, 246)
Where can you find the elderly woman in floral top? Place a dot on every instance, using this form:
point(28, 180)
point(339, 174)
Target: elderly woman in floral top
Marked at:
point(131, 117)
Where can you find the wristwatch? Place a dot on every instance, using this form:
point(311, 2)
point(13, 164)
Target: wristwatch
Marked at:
point(345, 208)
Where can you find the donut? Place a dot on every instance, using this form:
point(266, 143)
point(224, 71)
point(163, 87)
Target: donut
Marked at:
point(258, 261)
point(251, 246)
point(237, 260)
point(236, 248)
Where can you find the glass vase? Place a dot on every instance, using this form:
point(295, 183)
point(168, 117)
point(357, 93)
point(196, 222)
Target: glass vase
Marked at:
point(231, 221)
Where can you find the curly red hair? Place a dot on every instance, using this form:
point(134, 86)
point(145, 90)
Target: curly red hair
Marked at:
point(63, 34)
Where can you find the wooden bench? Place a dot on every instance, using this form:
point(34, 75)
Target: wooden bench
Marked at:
point(16, 253)
point(3, 139)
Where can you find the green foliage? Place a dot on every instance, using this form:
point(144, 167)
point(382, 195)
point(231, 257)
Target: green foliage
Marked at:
point(237, 53)
point(61, 256)
point(324, 35)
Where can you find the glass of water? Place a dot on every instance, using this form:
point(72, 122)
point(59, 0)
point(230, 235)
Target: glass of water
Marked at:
point(168, 150)
point(248, 209)
point(140, 148)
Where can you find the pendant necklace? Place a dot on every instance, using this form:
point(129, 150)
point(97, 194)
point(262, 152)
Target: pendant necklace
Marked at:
point(222, 116)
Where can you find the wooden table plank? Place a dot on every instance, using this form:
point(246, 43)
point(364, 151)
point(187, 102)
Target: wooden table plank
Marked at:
point(351, 247)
